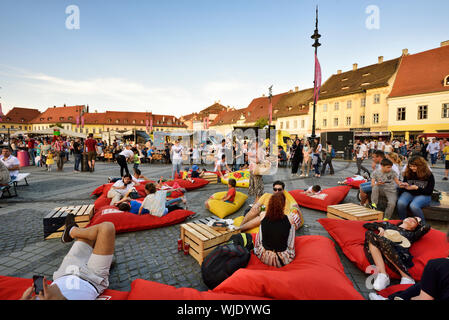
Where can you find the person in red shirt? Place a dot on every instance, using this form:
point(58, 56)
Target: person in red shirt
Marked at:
point(91, 148)
point(58, 147)
point(32, 150)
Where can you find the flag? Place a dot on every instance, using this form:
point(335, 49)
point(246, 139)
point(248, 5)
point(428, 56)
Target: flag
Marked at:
point(151, 125)
point(1, 113)
point(82, 121)
point(317, 87)
point(77, 121)
point(204, 123)
point(147, 123)
point(207, 119)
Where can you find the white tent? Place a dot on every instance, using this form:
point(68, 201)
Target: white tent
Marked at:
point(63, 132)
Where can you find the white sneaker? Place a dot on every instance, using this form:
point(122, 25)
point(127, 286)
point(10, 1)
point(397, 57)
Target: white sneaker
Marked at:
point(382, 281)
point(405, 280)
point(375, 296)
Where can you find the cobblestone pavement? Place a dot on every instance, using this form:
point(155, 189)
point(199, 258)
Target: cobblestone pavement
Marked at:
point(151, 254)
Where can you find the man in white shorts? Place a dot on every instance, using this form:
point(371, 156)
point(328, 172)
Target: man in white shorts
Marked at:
point(84, 272)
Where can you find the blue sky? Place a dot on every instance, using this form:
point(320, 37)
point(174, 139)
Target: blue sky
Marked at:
point(180, 56)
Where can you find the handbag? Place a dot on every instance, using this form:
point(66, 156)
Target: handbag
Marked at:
point(134, 194)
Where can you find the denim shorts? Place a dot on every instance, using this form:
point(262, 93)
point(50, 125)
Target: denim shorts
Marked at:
point(366, 187)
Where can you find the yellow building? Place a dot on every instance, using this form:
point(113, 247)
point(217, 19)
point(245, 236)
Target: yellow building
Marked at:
point(356, 100)
point(419, 101)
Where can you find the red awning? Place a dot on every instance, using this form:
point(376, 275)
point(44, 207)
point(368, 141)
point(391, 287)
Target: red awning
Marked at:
point(434, 135)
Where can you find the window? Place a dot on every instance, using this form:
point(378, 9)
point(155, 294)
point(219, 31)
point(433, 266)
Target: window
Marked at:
point(287, 124)
point(117, 121)
point(81, 130)
point(282, 125)
point(377, 98)
point(445, 110)
point(335, 122)
point(303, 123)
point(348, 121)
point(349, 104)
point(362, 120)
point(324, 123)
point(295, 124)
point(446, 81)
point(134, 121)
point(375, 118)
point(76, 129)
point(336, 106)
point(422, 112)
point(93, 130)
point(324, 107)
point(401, 114)
point(20, 127)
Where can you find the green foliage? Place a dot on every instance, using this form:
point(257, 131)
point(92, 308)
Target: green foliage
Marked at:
point(262, 122)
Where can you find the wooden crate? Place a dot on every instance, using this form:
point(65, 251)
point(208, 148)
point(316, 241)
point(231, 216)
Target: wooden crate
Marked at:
point(202, 238)
point(351, 211)
point(211, 177)
point(54, 221)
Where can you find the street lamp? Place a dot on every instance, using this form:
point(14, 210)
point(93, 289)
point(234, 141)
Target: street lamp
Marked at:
point(316, 44)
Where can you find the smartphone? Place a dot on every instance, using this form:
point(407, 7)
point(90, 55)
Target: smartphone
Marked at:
point(38, 284)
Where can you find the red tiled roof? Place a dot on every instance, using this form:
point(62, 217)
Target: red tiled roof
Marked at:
point(258, 108)
point(58, 114)
point(139, 118)
point(421, 73)
point(21, 115)
point(216, 108)
point(227, 117)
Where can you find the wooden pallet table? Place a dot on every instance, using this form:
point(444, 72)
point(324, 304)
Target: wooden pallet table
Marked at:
point(54, 221)
point(202, 238)
point(351, 211)
point(211, 177)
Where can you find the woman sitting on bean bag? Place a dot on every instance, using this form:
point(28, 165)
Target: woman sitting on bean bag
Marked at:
point(392, 243)
point(416, 189)
point(275, 242)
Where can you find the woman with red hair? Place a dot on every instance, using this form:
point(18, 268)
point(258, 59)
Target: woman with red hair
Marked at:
point(275, 242)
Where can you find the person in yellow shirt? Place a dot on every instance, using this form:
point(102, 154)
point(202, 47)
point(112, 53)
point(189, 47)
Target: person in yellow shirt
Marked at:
point(446, 153)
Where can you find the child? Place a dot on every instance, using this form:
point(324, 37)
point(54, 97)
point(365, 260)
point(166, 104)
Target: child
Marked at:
point(229, 197)
point(385, 181)
point(136, 158)
point(314, 190)
point(49, 161)
point(156, 202)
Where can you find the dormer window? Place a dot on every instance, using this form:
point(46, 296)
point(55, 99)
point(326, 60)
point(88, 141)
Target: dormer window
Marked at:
point(446, 81)
point(117, 121)
point(366, 74)
point(345, 79)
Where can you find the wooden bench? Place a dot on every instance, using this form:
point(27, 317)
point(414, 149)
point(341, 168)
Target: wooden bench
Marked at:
point(202, 238)
point(54, 221)
point(438, 211)
point(351, 211)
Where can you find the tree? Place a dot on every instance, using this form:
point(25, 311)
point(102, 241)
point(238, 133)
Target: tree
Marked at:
point(261, 123)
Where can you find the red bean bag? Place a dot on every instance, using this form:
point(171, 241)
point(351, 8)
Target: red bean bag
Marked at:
point(316, 273)
point(198, 183)
point(129, 222)
point(393, 289)
point(13, 288)
point(354, 183)
point(350, 236)
point(149, 290)
point(99, 191)
point(334, 196)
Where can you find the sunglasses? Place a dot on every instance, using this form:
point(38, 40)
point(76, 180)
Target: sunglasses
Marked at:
point(278, 189)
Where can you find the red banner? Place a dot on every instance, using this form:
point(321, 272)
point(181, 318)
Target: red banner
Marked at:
point(147, 123)
point(77, 121)
point(316, 91)
point(1, 113)
point(270, 111)
point(151, 125)
point(82, 121)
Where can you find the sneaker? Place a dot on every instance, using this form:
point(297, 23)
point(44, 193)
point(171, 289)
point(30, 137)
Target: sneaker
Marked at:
point(375, 296)
point(386, 219)
point(405, 280)
point(445, 179)
point(69, 224)
point(372, 206)
point(382, 281)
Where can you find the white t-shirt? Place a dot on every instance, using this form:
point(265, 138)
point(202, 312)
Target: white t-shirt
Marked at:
point(11, 162)
point(220, 151)
point(75, 288)
point(362, 150)
point(137, 180)
point(397, 144)
point(177, 152)
point(380, 145)
point(119, 184)
point(319, 148)
point(127, 153)
point(372, 145)
point(433, 147)
point(388, 148)
point(155, 203)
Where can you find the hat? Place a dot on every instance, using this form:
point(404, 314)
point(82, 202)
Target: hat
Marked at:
point(396, 237)
point(195, 168)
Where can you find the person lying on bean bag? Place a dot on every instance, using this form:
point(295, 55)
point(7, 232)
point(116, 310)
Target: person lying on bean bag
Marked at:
point(155, 203)
point(275, 241)
point(229, 197)
point(253, 218)
point(392, 242)
point(434, 283)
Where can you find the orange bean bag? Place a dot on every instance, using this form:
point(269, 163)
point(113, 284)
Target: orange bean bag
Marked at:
point(149, 290)
point(350, 236)
point(334, 196)
point(129, 222)
point(316, 273)
point(13, 288)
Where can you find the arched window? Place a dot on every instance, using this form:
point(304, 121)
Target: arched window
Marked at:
point(446, 81)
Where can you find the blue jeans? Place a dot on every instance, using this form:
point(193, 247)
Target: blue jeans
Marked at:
point(32, 153)
point(415, 203)
point(78, 158)
point(176, 167)
point(433, 158)
point(366, 187)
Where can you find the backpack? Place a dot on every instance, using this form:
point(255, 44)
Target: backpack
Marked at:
point(222, 262)
point(242, 239)
point(333, 153)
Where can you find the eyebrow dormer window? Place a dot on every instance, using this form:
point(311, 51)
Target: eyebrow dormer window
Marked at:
point(446, 81)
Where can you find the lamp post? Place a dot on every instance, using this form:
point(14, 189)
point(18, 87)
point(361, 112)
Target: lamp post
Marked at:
point(316, 44)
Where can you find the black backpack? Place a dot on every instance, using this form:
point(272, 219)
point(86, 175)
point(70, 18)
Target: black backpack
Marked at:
point(222, 262)
point(243, 239)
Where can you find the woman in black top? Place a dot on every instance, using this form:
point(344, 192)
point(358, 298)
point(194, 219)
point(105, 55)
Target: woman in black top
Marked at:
point(297, 157)
point(275, 242)
point(416, 189)
point(380, 250)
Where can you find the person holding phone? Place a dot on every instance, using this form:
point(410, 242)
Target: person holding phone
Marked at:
point(84, 272)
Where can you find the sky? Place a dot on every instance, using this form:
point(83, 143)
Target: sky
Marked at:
point(180, 56)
